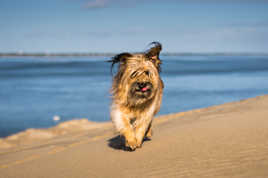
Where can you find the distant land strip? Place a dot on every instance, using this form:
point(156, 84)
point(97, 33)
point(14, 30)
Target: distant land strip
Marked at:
point(112, 54)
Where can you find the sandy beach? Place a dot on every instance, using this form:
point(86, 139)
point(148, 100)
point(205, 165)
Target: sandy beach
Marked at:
point(229, 140)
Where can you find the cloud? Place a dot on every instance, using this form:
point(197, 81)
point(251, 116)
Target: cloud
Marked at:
point(95, 4)
point(98, 4)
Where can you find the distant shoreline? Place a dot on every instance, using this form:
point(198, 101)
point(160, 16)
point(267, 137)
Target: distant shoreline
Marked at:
point(112, 54)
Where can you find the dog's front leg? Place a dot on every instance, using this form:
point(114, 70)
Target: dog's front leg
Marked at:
point(130, 139)
point(123, 125)
point(149, 132)
point(142, 127)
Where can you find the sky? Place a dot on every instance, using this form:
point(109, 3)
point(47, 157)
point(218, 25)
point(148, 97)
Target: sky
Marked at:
point(54, 26)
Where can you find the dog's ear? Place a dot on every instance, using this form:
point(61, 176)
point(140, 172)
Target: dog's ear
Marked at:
point(153, 53)
point(119, 58)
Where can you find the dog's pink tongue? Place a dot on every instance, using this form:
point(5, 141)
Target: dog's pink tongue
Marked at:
point(144, 89)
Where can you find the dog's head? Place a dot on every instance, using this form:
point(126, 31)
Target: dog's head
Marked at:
point(137, 79)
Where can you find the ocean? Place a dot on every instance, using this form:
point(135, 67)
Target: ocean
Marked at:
point(34, 90)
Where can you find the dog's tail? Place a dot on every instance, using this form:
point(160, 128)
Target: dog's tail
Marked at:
point(118, 58)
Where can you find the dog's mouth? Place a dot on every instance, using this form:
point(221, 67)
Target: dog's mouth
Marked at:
point(142, 89)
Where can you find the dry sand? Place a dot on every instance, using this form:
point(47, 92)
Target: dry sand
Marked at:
point(229, 140)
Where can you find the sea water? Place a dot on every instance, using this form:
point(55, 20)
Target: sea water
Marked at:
point(40, 92)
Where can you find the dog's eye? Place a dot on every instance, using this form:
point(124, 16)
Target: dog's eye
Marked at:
point(134, 74)
point(152, 60)
point(147, 72)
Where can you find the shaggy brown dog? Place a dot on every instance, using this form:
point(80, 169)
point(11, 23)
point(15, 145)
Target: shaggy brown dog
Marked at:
point(137, 94)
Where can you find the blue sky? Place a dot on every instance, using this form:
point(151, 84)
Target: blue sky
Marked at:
point(129, 25)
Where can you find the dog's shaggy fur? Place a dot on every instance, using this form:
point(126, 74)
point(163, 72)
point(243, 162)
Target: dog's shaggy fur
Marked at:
point(137, 94)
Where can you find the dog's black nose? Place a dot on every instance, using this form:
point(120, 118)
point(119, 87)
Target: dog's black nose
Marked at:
point(142, 85)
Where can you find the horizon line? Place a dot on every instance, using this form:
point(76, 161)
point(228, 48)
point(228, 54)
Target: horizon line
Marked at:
point(44, 54)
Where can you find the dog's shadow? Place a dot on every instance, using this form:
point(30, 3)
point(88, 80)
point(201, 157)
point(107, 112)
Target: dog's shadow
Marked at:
point(118, 143)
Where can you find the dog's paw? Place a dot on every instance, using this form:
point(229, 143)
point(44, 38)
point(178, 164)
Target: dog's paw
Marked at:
point(149, 134)
point(131, 143)
point(139, 144)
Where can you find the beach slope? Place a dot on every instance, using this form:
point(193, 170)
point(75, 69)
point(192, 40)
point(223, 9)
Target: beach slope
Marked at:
point(230, 140)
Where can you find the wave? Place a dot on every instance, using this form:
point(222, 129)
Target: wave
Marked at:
point(214, 71)
point(53, 69)
point(31, 69)
point(207, 67)
point(48, 65)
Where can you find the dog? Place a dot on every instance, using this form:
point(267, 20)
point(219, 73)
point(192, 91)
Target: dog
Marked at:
point(136, 94)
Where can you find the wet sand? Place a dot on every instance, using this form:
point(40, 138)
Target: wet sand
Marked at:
point(229, 140)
